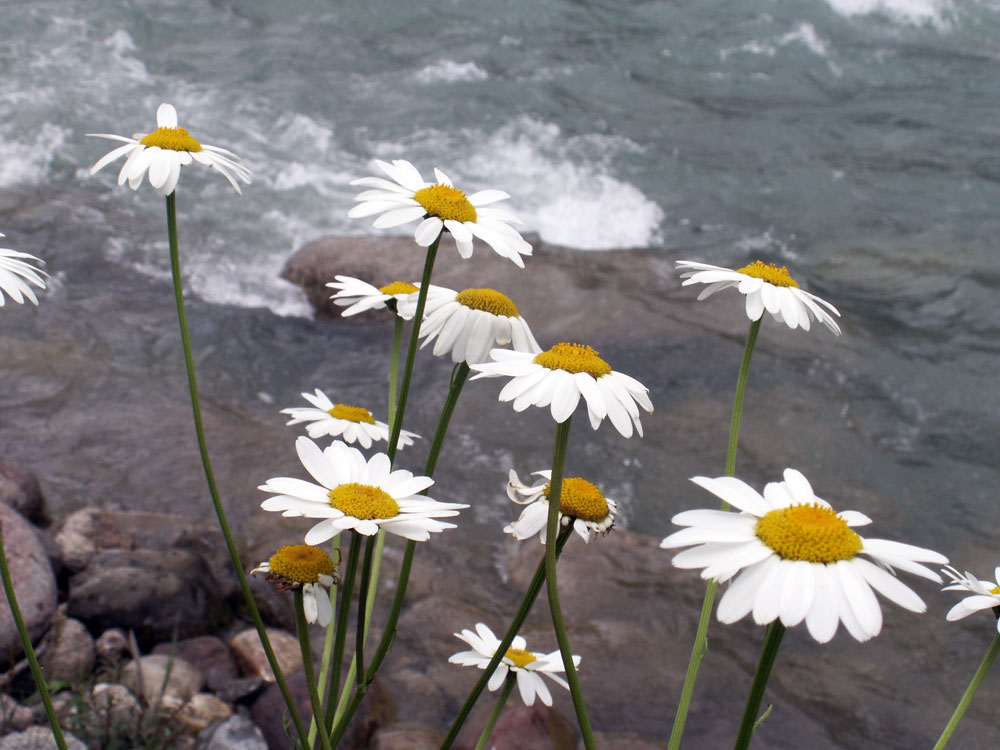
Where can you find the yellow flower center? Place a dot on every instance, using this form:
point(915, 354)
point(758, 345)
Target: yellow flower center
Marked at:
point(573, 358)
point(172, 139)
point(520, 657)
point(581, 499)
point(771, 273)
point(446, 203)
point(488, 300)
point(398, 287)
point(301, 563)
point(351, 413)
point(363, 501)
point(808, 532)
point(995, 590)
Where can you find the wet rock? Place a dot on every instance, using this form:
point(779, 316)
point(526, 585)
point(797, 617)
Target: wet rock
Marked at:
point(407, 736)
point(202, 710)
point(148, 677)
point(81, 535)
point(236, 690)
point(13, 715)
point(520, 727)
point(252, 660)
point(156, 594)
point(212, 656)
point(113, 703)
point(34, 583)
point(235, 733)
point(69, 654)
point(39, 738)
point(111, 645)
point(20, 490)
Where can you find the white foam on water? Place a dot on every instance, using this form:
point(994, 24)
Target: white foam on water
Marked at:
point(25, 159)
point(450, 71)
point(914, 12)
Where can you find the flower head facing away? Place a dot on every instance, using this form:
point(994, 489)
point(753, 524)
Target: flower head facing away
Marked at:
point(560, 376)
point(352, 424)
point(439, 206)
point(306, 567)
point(359, 494)
point(984, 594)
point(766, 287)
point(163, 152)
point(17, 276)
point(582, 504)
point(358, 296)
point(797, 558)
point(526, 665)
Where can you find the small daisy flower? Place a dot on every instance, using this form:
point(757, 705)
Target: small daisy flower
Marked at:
point(985, 594)
point(560, 376)
point(470, 323)
point(527, 665)
point(357, 494)
point(440, 206)
point(17, 275)
point(301, 565)
point(163, 152)
point(359, 296)
point(581, 504)
point(797, 558)
point(352, 424)
point(767, 287)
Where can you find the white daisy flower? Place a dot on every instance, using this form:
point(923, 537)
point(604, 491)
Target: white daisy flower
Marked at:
point(470, 323)
point(581, 504)
point(527, 665)
point(163, 152)
point(767, 287)
point(560, 376)
point(359, 296)
point(17, 275)
point(985, 594)
point(357, 494)
point(439, 205)
point(352, 424)
point(308, 567)
point(797, 559)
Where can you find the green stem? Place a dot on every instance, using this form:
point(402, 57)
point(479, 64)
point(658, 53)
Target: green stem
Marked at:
point(977, 678)
point(772, 641)
point(534, 587)
point(302, 629)
point(22, 632)
point(234, 555)
point(361, 630)
point(552, 586)
point(346, 592)
point(397, 341)
point(700, 645)
point(324, 668)
point(508, 685)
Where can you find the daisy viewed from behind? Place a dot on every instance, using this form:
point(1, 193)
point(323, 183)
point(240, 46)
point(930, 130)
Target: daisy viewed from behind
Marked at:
point(354, 493)
point(560, 376)
point(984, 594)
point(353, 424)
point(306, 567)
point(163, 152)
point(358, 296)
point(17, 276)
point(526, 665)
point(796, 558)
point(581, 504)
point(766, 287)
point(439, 206)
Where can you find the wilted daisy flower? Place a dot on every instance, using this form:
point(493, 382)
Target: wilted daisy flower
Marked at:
point(163, 152)
point(560, 376)
point(470, 323)
point(985, 594)
point(767, 287)
point(581, 504)
point(310, 568)
point(16, 276)
point(797, 559)
point(357, 494)
point(528, 666)
point(440, 205)
point(353, 424)
point(359, 296)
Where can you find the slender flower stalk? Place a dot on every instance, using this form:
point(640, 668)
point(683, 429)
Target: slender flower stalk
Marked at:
point(29, 651)
point(324, 668)
point(302, 629)
point(220, 512)
point(397, 341)
point(772, 642)
point(508, 685)
point(700, 645)
point(963, 704)
point(346, 592)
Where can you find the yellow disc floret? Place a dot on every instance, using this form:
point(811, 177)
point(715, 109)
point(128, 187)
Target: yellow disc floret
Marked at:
point(351, 413)
point(581, 499)
point(446, 202)
point(811, 532)
point(171, 139)
point(363, 501)
point(995, 590)
point(487, 300)
point(520, 657)
point(573, 358)
point(398, 287)
point(300, 563)
point(772, 274)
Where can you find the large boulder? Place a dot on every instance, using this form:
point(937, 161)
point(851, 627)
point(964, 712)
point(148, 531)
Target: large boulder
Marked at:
point(34, 584)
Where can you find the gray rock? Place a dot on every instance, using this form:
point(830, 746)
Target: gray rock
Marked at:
point(81, 535)
point(520, 727)
point(212, 656)
point(34, 584)
point(113, 703)
point(407, 736)
point(13, 714)
point(38, 738)
point(111, 645)
point(149, 678)
point(251, 658)
point(70, 654)
point(235, 733)
point(202, 710)
point(20, 490)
